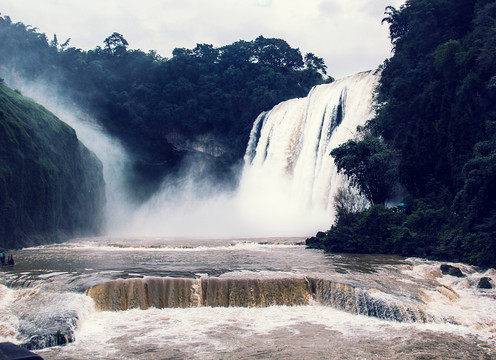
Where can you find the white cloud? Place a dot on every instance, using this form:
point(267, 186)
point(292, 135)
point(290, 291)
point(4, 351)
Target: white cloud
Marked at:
point(330, 8)
point(347, 34)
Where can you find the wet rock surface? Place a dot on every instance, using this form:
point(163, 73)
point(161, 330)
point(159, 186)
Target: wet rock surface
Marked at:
point(451, 270)
point(485, 283)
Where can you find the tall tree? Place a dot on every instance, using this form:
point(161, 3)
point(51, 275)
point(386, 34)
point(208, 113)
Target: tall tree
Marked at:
point(115, 44)
point(369, 164)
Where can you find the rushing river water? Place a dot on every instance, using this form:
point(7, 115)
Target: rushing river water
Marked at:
point(156, 298)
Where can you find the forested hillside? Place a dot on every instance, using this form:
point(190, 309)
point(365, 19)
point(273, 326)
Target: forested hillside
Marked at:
point(157, 106)
point(51, 186)
point(436, 118)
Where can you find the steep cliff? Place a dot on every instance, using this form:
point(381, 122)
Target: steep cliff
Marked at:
point(51, 185)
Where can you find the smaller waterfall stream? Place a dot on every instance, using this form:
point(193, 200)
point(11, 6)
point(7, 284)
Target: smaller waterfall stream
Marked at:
point(163, 293)
point(109, 150)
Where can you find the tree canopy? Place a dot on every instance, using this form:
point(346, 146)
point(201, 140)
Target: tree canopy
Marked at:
point(115, 44)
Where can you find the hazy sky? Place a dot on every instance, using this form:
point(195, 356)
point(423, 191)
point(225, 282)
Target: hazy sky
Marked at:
point(347, 33)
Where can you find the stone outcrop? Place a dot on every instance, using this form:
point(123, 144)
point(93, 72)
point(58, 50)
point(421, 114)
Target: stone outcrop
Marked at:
point(451, 270)
point(485, 283)
point(206, 144)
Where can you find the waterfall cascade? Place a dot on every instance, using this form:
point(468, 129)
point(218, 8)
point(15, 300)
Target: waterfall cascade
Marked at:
point(252, 292)
point(288, 182)
point(288, 167)
point(287, 185)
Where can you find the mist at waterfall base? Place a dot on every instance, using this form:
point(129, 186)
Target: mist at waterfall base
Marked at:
point(286, 185)
point(288, 181)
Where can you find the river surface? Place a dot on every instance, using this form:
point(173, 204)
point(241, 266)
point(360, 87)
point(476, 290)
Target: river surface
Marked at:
point(240, 299)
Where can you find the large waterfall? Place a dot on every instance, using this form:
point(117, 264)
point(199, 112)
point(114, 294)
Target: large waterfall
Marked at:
point(289, 175)
point(288, 181)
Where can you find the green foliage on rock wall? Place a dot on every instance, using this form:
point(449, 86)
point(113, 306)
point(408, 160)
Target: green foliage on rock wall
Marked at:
point(51, 186)
point(369, 165)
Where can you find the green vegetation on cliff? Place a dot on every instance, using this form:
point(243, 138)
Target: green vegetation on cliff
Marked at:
point(437, 112)
point(51, 186)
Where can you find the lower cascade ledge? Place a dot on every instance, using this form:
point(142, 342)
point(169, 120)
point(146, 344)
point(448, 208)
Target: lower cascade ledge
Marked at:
point(144, 293)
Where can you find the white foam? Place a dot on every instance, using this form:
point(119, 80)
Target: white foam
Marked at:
point(459, 300)
point(208, 332)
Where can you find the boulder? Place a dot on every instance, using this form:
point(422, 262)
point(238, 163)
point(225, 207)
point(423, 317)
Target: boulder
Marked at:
point(451, 270)
point(485, 283)
point(10, 351)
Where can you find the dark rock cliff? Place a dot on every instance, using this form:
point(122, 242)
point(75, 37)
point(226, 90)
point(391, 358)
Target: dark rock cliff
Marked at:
point(51, 186)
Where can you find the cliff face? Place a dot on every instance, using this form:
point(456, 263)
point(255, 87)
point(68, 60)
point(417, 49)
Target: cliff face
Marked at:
point(51, 186)
point(207, 144)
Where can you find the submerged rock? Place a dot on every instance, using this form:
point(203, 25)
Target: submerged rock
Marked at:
point(57, 330)
point(451, 270)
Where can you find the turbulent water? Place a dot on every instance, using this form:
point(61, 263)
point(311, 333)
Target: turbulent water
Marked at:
point(157, 298)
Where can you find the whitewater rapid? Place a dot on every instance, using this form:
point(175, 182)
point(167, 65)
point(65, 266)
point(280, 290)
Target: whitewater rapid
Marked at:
point(155, 298)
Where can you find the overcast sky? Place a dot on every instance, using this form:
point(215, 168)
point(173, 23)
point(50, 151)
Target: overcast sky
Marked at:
point(347, 33)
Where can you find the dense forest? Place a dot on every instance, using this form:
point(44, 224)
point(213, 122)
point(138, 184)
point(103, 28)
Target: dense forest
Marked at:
point(435, 134)
point(51, 186)
point(156, 105)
